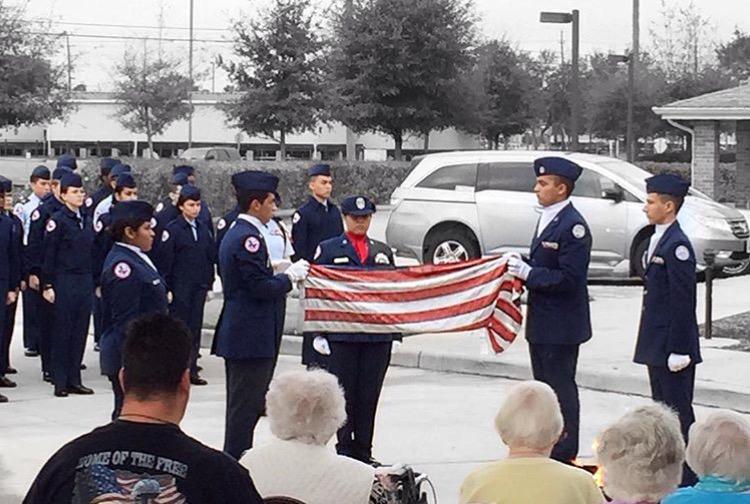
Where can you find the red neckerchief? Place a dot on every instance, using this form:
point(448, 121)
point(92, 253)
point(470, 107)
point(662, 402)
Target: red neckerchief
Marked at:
point(361, 246)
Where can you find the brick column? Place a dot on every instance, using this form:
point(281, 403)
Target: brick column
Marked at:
point(742, 183)
point(706, 157)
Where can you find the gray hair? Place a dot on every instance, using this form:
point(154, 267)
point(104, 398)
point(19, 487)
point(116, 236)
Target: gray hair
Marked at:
point(306, 406)
point(642, 454)
point(530, 416)
point(720, 446)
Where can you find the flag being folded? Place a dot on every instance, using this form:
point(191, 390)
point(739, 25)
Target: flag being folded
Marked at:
point(478, 294)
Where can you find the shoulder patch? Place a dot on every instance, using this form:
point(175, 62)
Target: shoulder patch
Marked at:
point(89, 202)
point(98, 226)
point(579, 231)
point(159, 207)
point(153, 223)
point(382, 258)
point(682, 253)
point(252, 244)
point(221, 224)
point(317, 252)
point(18, 210)
point(51, 225)
point(296, 218)
point(122, 270)
point(165, 236)
point(35, 215)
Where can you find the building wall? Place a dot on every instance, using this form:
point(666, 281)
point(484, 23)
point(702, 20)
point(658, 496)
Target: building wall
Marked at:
point(706, 157)
point(743, 164)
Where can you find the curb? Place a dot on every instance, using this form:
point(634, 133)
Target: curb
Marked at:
point(603, 382)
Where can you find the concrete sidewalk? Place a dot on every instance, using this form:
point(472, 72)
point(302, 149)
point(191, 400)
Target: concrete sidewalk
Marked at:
point(605, 362)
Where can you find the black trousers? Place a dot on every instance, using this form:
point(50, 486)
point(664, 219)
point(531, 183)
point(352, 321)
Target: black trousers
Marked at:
point(72, 311)
point(32, 302)
point(3, 315)
point(188, 305)
point(247, 383)
point(46, 316)
point(676, 391)
point(97, 317)
point(10, 323)
point(114, 380)
point(556, 365)
point(360, 368)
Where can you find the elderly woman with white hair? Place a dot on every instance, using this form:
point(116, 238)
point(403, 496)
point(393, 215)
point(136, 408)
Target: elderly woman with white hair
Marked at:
point(719, 453)
point(641, 455)
point(305, 409)
point(529, 423)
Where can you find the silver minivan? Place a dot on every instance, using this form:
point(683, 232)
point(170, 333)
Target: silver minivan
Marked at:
point(461, 205)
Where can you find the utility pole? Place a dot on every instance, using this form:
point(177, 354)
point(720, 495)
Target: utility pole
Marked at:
point(190, 71)
point(575, 94)
point(351, 140)
point(632, 68)
point(562, 48)
point(213, 77)
point(70, 65)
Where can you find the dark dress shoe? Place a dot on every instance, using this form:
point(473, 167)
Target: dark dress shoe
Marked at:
point(83, 366)
point(47, 377)
point(80, 390)
point(3, 398)
point(61, 392)
point(31, 353)
point(11, 370)
point(197, 380)
point(6, 382)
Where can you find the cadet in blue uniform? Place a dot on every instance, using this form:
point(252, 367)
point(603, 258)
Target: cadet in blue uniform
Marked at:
point(10, 316)
point(167, 207)
point(226, 221)
point(10, 279)
point(34, 260)
point(668, 334)
point(249, 325)
point(315, 221)
point(186, 261)
point(68, 278)
point(105, 168)
point(359, 360)
point(131, 285)
point(558, 318)
point(67, 161)
point(32, 299)
point(104, 205)
point(125, 189)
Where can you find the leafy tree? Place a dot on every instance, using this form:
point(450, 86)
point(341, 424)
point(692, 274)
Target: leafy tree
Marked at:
point(33, 90)
point(152, 95)
point(734, 56)
point(279, 73)
point(397, 65)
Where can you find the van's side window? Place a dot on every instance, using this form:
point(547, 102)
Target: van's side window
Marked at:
point(591, 185)
point(448, 177)
point(507, 176)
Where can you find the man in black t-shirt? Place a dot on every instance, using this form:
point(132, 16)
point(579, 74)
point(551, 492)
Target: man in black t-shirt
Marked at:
point(143, 456)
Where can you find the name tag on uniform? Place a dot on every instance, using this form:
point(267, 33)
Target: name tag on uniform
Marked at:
point(550, 245)
point(657, 260)
point(340, 260)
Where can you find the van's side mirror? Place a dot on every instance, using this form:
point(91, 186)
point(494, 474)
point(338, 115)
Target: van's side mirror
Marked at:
point(615, 194)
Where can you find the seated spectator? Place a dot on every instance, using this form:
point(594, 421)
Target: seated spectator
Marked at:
point(305, 409)
point(641, 455)
point(143, 456)
point(530, 423)
point(719, 454)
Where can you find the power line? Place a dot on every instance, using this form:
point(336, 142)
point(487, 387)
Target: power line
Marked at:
point(132, 37)
point(112, 25)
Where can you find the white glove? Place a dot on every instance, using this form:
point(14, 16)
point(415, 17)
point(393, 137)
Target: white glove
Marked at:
point(396, 345)
point(320, 344)
point(510, 255)
point(677, 362)
point(298, 271)
point(518, 268)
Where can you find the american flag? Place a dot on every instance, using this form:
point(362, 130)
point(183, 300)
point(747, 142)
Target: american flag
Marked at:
point(113, 486)
point(416, 300)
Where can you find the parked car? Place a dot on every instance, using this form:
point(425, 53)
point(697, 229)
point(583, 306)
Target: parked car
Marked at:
point(462, 205)
point(211, 154)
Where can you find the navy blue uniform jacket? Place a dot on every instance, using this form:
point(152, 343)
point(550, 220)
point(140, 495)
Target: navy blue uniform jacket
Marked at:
point(68, 246)
point(249, 321)
point(558, 306)
point(184, 261)
point(10, 262)
point(668, 321)
point(339, 251)
point(38, 223)
point(312, 224)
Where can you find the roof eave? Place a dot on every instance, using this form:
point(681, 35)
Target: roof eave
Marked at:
point(703, 113)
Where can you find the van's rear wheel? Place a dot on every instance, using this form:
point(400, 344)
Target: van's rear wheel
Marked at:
point(450, 246)
point(639, 258)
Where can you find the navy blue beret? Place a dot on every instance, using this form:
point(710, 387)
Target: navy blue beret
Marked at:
point(106, 164)
point(256, 180)
point(357, 205)
point(180, 179)
point(319, 169)
point(125, 180)
point(190, 192)
point(68, 160)
point(667, 183)
point(41, 172)
point(70, 179)
point(186, 169)
point(58, 172)
point(119, 169)
point(136, 210)
point(6, 184)
point(557, 166)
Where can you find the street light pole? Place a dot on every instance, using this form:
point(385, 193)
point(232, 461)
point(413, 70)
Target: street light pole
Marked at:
point(190, 71)
point(632, 62)
point(351, 139)
point(575, 102)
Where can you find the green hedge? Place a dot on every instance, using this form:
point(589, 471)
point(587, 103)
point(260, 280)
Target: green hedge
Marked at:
point(376, 180)
point(727, 176)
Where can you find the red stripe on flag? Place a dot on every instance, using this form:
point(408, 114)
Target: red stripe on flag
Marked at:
point(391, 275)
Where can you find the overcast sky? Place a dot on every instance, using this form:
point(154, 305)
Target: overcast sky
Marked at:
point(605, 25)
